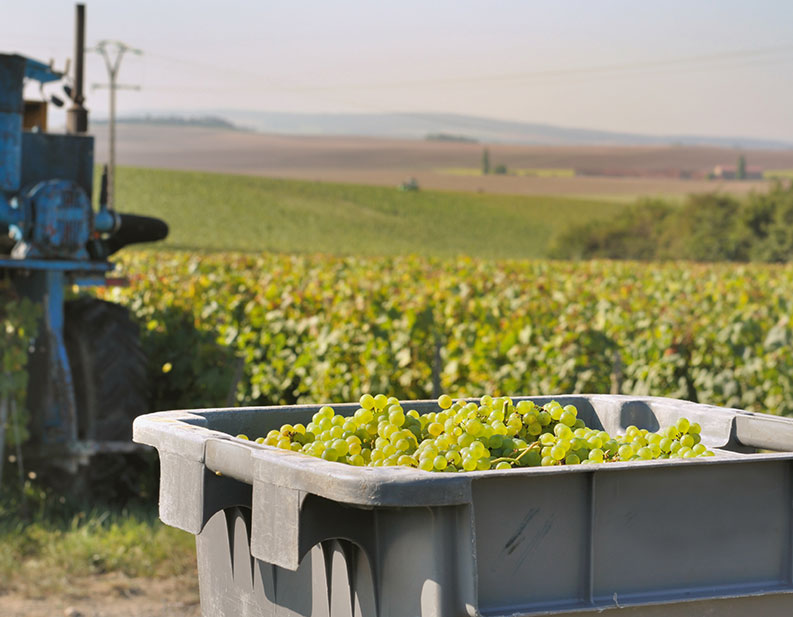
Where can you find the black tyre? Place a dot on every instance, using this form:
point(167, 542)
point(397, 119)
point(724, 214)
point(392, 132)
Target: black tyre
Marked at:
point(111, 388)
point(108, 368)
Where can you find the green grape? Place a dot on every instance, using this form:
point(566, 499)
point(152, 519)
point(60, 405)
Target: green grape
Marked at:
point(429, 451)
point(594, 442)
point(655, 451)
point(402, 445)
point(340, 446)
point(363, 416)
point(625, 452)
point(435, 429)
point(474, 427)
point(426, 464)
point(469, 463)
point(567, 418)
point(596, 455)
point(572, 459)
point(562, 431)
point(349, 426)
point(466, 439)
point(454, 458)
point(576, 443)
point(396, 417)
point(444, 401)
point(478, 448)
point(532, 458)
point(503, 465)
point(547, 439)
point(558, 452)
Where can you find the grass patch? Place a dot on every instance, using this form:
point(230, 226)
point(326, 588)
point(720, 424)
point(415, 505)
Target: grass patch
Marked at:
point(220, 212)
point(45, 546)
point(778, 174)
point(542, 172)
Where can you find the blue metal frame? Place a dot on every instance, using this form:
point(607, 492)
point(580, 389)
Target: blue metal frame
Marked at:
point(41, 72)
point(43, 282)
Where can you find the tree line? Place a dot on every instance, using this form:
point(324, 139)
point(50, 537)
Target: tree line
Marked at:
point(707, 227)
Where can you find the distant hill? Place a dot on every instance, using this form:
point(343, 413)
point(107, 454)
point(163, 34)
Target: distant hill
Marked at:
point(211, 122)
point(487, 130)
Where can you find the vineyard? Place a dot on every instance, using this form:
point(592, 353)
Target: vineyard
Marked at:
point(257, 330)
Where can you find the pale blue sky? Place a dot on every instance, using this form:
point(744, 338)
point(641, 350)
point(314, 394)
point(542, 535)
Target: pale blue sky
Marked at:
point(659, 67)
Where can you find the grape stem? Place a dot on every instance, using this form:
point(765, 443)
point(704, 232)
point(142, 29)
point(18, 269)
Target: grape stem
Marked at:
point(518, 457)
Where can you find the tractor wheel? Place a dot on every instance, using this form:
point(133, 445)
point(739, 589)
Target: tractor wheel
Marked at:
point(108, 368)
point(111, 388)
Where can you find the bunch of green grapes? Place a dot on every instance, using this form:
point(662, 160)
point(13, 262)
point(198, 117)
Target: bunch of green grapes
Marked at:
point(462, 435)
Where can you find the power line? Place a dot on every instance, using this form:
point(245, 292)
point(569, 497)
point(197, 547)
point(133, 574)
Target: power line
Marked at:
point(712, 60)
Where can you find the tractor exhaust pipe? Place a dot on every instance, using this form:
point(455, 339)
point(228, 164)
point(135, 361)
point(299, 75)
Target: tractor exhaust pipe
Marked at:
point(77, 115)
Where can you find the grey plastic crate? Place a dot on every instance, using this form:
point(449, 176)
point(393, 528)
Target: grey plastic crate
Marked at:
point(280, 533)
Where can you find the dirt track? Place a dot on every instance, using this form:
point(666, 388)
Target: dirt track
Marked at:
point(110, 595)
point(390, 161)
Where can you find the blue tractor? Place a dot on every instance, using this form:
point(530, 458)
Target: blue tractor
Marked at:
point(87, 372)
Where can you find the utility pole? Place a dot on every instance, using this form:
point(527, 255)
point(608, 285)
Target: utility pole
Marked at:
point(112, 52)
